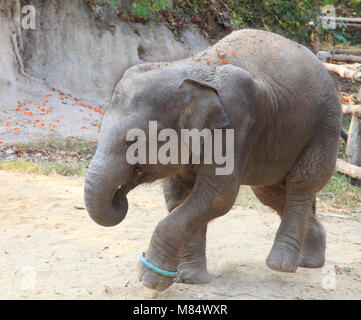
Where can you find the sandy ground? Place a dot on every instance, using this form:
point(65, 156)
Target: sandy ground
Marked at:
point(49, 249)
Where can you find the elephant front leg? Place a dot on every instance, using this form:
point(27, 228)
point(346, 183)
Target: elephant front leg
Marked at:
point(193, 265)
point(178, 242)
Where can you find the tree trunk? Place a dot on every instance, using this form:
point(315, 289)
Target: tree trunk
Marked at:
point(353, 149)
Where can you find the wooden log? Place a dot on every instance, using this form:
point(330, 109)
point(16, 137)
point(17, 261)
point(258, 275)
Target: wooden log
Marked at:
point(350, 26)
point(353, 109)
point(351, 20)
point(327, 57)
point(348, 169)
point(345, 58)
point(353, 66)
point(353, 148)
point(343, 72)
point(346, 51)
point(340, 19)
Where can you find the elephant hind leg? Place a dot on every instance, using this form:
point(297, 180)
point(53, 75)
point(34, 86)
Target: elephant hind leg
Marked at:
point(311, 172)
point(273, 196)
point(312, 254)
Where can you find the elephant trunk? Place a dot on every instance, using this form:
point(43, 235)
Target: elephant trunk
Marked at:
point(105, 202)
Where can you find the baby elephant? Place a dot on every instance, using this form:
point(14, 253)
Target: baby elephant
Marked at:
point(265, 101)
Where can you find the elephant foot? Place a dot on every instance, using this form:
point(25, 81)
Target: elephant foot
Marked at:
point(308, 259)
point(313, 252)
point(153, 280)
point(282, 259)
point(194, 276)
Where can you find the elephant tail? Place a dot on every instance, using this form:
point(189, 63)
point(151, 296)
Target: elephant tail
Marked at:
point(344, 134)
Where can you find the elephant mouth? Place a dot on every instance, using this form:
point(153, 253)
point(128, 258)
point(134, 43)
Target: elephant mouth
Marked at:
point(124, 189)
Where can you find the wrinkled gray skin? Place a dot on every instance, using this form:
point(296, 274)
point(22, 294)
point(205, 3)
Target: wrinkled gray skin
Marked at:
point(286, 114)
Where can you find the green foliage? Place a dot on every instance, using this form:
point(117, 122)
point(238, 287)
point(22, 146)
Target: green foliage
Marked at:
point(294, 19)
point(44, 167)
point(344, 8)
point(281, 16)
point(146, 9)
point(114, 2)
point(339, 192)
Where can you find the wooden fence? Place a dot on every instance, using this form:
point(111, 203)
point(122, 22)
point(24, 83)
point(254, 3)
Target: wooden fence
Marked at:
point(352, 167)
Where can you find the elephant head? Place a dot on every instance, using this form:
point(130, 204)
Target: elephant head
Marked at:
point(170, 96)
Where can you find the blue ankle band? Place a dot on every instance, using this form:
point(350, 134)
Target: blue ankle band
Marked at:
point(155, 269)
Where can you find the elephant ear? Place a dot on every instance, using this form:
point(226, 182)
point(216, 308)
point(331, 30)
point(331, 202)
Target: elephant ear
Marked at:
point(203, 109)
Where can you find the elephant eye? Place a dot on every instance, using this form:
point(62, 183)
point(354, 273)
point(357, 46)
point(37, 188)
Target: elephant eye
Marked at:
point(137, 171)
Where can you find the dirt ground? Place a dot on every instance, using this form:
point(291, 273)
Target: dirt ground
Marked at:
point(51, 249)
point(46, 112)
